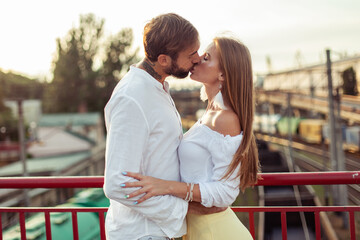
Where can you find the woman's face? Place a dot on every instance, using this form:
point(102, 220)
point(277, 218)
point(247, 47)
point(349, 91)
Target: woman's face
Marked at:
point(207, 71)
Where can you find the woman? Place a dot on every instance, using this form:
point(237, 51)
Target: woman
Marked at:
point(213, 150)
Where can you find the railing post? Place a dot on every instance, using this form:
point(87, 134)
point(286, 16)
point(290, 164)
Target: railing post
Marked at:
point(251, 224)
point(75, 225)
point(352, 225)
point(1, 233)
point(48, 226)
point(283, 225)
point(102, 226)
point(22, 225)
point(317, 225)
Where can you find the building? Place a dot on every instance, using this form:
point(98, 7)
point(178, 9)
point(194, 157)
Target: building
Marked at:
point(311, 80)
point(58, 134)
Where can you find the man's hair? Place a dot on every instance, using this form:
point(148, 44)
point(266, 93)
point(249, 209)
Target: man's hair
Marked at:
point(168, 34)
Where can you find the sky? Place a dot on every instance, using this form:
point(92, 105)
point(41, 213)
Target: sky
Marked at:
point(278, 29)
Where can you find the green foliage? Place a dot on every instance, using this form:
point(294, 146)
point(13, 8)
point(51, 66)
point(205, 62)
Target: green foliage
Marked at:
point(17, 86)
point(117, 61)
point(83, 81)
point(349, 82)
point(8, 128)
point(14, 86)
point(8, 125)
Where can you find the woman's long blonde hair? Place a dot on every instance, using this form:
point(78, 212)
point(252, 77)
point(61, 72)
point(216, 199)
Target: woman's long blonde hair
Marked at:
point(238, 92)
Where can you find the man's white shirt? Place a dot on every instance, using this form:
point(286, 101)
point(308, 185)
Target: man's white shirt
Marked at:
point(143, 133)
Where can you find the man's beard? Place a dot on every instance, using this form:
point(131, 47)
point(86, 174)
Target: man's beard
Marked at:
point(176, 71)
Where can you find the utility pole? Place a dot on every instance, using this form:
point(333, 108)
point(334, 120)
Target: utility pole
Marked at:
point(336, 144)
point(289, 113)
point(291, 165)
point(22, 146)
point(343, 193)
point(331, 125)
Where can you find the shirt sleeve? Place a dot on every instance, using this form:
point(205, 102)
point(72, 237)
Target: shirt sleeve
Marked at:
point(221, 192)
point(127, 138)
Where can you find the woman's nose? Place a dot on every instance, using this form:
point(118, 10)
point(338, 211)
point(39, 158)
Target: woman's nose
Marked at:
point(201, 58)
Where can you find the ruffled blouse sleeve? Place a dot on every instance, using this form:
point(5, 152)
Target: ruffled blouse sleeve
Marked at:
point(221, 192)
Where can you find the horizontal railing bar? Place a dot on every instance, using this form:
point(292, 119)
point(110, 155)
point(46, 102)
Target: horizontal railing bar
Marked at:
point(52, 182)
point(310, 178)
point(297, 209)
point(53, 209)
point(234, 208)
point(266, 179)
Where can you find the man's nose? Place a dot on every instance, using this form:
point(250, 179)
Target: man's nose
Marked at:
point(196, 58)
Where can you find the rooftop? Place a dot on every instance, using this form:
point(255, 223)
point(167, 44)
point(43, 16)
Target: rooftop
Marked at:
point(67, 119)
point(46, 164)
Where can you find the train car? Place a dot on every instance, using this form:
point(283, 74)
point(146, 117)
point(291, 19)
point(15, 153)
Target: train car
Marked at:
point(310, 130)
point(266, 123)
point(282, 125)
point(352, 136)
point(257, 123)
point(326, 133)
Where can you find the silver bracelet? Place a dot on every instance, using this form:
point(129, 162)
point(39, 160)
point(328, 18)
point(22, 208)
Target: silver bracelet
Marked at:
point(187, 198)
point(191, 192)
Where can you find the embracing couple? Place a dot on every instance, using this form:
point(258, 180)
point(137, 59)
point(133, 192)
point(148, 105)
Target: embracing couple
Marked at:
point(164, 185)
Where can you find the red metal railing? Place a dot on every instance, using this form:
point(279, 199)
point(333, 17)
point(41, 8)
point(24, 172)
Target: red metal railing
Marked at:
point(267, 179)
point(47, 210)
point(315, 210)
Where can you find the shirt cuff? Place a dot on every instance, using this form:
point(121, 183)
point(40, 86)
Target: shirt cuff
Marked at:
point(175, 225)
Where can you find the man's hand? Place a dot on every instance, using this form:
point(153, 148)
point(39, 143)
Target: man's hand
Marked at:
point(197, 208)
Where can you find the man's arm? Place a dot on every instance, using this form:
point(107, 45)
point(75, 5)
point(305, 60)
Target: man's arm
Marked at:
point(127, 138)
point(197, 208)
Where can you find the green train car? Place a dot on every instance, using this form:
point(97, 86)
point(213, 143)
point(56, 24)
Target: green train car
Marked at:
point(282, 125)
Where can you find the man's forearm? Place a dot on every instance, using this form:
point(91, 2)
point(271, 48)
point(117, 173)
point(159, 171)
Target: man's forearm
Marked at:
point(197, 208)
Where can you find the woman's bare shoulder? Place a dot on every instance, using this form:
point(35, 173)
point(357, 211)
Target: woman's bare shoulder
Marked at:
point(227, 123)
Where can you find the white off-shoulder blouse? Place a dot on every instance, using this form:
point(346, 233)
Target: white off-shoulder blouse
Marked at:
point(204, 158)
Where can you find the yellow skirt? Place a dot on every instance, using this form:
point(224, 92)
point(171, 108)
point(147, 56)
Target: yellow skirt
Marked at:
point(218, 226)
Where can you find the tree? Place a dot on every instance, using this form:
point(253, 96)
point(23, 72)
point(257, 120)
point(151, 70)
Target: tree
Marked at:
point(17, 86)
point(74, 75)
point(79, 84)
point(349, 82)
point(7, 121)
point(118, 60)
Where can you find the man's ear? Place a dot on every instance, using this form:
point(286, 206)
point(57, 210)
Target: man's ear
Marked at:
point(164, 60)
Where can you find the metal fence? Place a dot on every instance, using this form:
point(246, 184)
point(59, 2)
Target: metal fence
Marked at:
point(266, 179)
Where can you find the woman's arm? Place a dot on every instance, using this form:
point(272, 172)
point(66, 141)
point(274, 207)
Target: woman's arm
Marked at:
point(151, 186)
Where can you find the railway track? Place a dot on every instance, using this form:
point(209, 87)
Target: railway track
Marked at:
point(352, 159)
point(313, 166)
point(315, 159)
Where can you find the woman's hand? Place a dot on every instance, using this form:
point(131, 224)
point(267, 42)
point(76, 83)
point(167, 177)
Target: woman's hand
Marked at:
point(149, 186)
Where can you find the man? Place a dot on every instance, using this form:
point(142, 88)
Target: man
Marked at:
point(144, 131)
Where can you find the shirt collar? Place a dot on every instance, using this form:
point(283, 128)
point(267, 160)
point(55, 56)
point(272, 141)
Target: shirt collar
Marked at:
point(153, 81)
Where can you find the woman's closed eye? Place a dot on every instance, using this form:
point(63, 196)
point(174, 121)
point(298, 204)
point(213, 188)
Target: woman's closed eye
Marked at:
point(206, 56)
